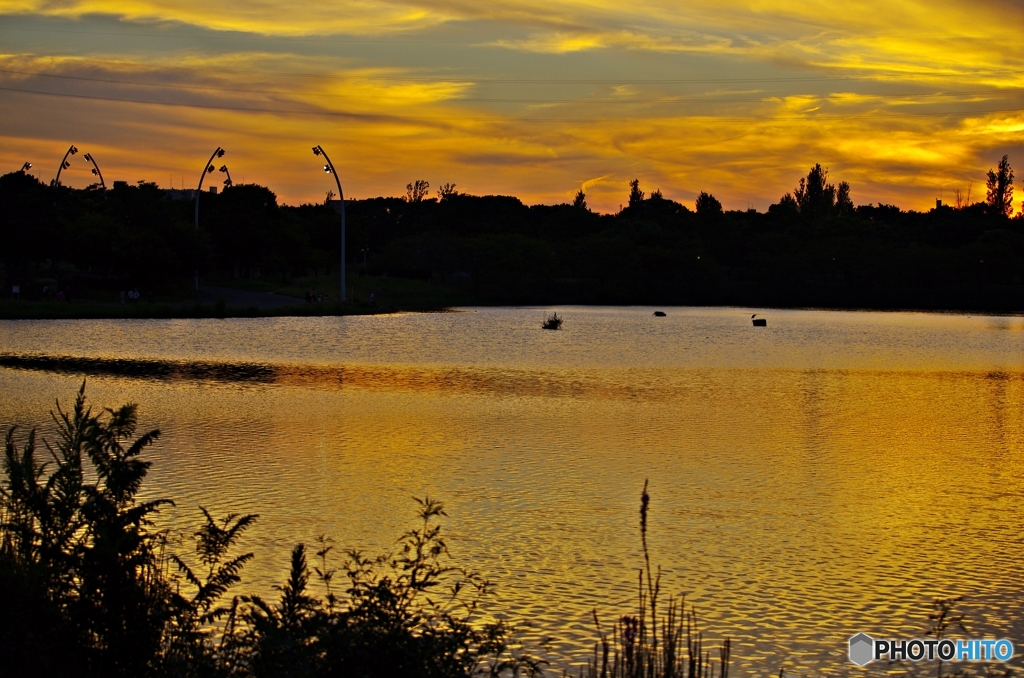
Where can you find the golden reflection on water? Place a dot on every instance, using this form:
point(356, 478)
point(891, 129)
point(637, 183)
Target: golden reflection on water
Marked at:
point(831, 475)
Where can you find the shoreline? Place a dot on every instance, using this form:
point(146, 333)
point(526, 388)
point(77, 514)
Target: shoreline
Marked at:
point(48, 310)
point(52, 310)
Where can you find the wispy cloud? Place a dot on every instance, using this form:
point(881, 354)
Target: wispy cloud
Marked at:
point(735, 97)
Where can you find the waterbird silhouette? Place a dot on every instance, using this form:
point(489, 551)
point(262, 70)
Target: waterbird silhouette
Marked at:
point(552, 323)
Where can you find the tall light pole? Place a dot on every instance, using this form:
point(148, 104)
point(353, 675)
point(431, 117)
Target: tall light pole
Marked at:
point(64, 164)
point(96, 169)
point(207, 169)
point(329, 168)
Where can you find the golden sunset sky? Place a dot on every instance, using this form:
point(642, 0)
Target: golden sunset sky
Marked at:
point(907, 101)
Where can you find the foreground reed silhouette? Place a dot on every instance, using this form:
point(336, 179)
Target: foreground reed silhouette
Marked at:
point(646, 645)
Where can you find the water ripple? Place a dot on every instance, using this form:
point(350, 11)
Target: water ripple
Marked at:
point(831, 475)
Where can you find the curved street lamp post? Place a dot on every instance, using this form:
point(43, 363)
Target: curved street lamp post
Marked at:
point(207, 169)
point(329, 169)
point(64, 164)
point(96, 169)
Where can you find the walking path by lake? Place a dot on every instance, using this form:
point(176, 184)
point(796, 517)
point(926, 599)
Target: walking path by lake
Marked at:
point(235, 298)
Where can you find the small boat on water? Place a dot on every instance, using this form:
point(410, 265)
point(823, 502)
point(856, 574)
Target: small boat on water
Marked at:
point(659, 314)
point(552, 323)
point(759, 322)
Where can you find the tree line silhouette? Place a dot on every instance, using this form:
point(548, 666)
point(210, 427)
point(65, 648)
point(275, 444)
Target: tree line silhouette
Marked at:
point(813, 247)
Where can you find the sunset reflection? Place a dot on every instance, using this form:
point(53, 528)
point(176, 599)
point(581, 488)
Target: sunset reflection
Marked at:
point(795, 496)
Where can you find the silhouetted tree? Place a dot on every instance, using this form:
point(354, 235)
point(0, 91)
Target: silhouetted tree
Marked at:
point(1000, 188)
point(416, 191)
point(786, 208)
point(707, 204)
point(636, 196)
point(139, 235)
point(247, 226)
point(30, 222)
point(580, 201)
point(844, 205)
point(656, 195)
point(446, 192)
point(815, 196)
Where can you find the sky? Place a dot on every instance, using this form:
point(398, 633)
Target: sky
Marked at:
point(908, 102)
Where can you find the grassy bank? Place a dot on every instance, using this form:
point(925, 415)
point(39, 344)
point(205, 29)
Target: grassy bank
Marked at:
point(49, 310)
point(247, 298)
point(390, 295)
point(397, 293)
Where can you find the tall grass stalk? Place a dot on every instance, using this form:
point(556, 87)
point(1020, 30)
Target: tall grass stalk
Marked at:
point(652, 645)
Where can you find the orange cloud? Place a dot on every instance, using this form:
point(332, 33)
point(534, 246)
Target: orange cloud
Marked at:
point(737, 98)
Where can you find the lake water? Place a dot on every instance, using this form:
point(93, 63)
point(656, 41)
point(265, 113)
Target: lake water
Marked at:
point(831, 473)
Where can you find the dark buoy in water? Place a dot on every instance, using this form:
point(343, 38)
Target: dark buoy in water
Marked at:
point(659, 314)
point(759, 322)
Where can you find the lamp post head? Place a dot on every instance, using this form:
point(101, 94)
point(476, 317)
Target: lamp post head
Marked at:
point(88, 156)
point(66, 164)
point(26, 167)
point(220, 152)
point(223, 168)
point(73, 150)
point(209, 169)
point(95, 171)
point(327, 169)
point(316, 150)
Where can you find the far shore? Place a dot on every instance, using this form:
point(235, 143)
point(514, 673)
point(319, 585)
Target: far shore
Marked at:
point(91, 310)
point(251, 299)
point(313, 295)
